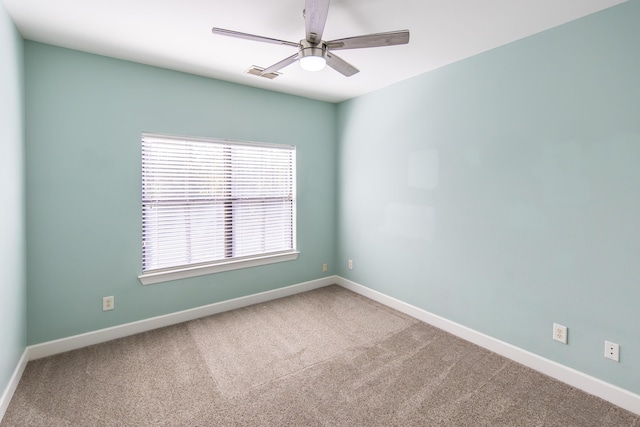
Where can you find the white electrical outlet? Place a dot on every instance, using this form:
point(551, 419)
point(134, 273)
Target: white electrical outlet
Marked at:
point(350, 264)
point(612, 351)
point(560, 333)
point(108, 303)
point(324, 267)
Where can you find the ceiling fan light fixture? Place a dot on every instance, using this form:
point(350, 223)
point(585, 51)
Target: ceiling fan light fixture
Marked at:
point(313, 63)
point(312, 56)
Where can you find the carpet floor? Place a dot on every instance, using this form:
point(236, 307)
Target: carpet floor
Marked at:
point(327, 357)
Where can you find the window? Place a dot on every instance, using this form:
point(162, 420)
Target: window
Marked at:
point(210, 205)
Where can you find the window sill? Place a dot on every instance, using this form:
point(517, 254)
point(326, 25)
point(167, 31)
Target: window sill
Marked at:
point(200, 270)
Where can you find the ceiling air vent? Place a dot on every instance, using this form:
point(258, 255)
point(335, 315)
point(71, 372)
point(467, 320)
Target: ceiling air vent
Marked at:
point(256, 71)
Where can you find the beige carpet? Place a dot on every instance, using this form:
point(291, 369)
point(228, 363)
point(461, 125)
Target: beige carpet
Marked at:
point(327, 357)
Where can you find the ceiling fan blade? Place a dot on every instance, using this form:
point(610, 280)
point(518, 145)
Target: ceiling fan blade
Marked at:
point(280, 65)
point(370, 40)
point(246, 36)
point(315, 17)
point(340, 65)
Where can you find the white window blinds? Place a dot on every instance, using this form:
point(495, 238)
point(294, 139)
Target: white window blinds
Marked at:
point(209, 201)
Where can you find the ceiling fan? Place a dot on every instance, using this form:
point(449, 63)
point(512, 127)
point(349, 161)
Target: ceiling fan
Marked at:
point(313, 52)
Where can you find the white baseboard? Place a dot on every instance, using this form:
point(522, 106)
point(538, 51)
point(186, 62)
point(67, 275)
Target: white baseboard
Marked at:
point(609, 392)
point(13, 383)
point(103, 335)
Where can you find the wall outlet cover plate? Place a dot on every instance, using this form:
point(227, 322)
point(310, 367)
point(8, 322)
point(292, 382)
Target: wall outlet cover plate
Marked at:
point(560, 333)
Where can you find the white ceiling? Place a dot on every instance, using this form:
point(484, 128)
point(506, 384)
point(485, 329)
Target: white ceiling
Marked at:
point(176, 34)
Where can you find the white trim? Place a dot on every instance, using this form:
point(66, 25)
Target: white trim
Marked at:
point(216, 140)
point(609, 392)
point(90, 338)
point(13, 383)
point(185, 272)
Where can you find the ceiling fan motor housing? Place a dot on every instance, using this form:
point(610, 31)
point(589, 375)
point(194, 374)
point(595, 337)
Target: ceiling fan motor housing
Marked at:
point(312, 49)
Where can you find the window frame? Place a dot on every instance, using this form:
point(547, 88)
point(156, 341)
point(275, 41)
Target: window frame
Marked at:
point(226, 264)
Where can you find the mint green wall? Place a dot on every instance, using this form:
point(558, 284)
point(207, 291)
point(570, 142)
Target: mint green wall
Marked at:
point(85, 115)
point(12, 232)
point(502, 192)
